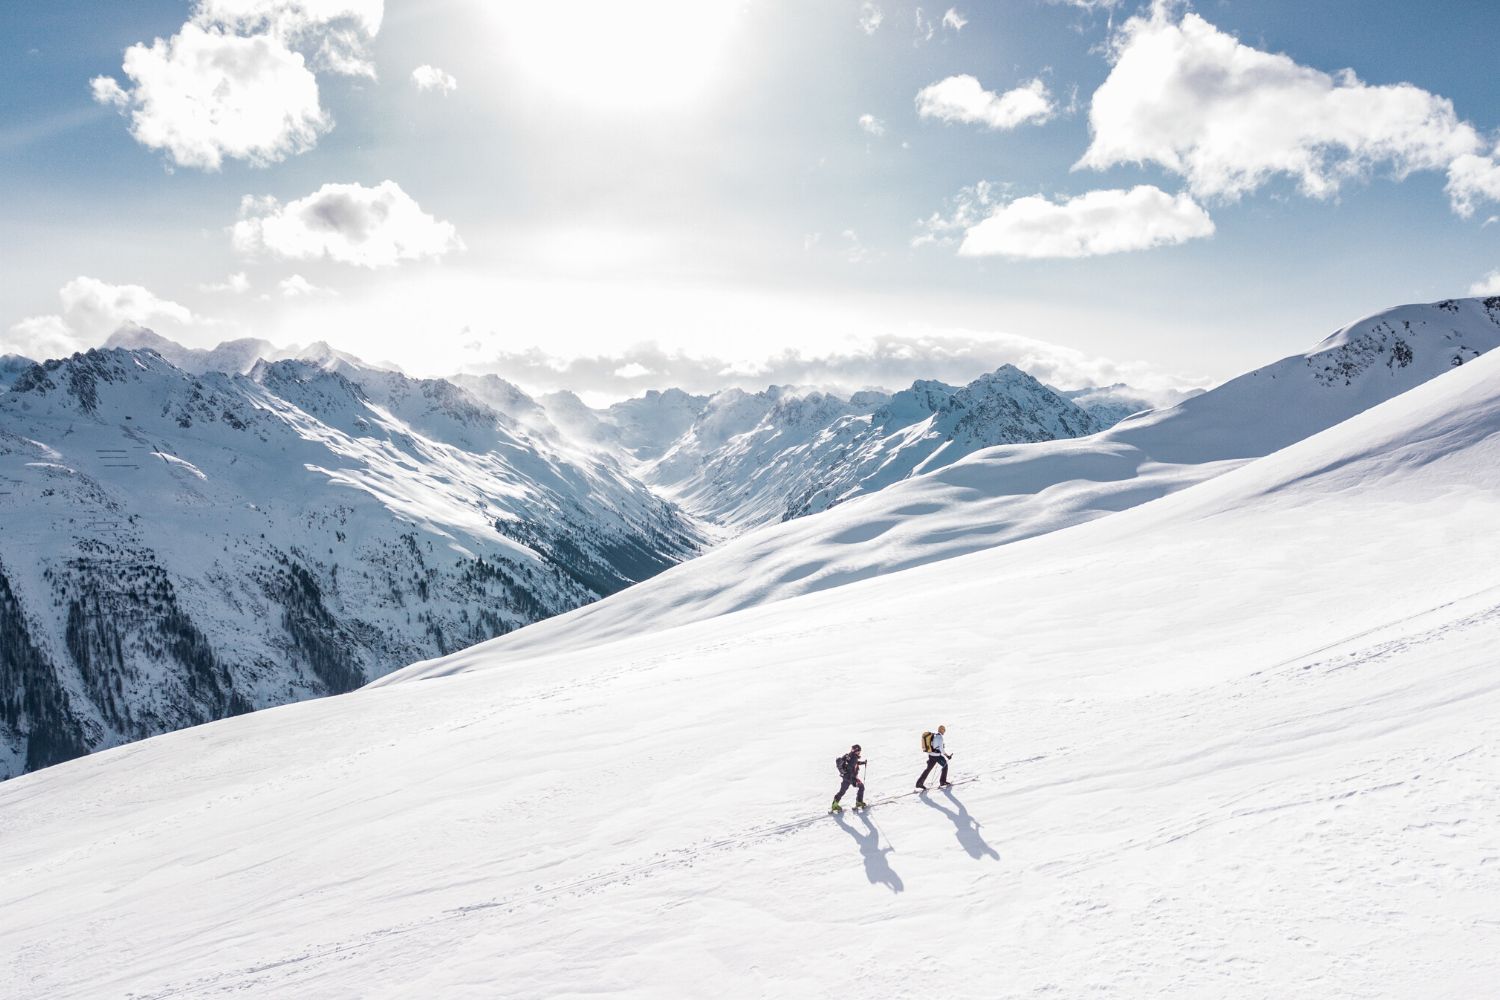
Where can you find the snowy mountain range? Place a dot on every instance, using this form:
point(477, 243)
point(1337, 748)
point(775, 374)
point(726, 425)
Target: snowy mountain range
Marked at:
point(178, 547)
point(191, 534)
point(1012, 492)
point(752, 459)
point(1237, 741)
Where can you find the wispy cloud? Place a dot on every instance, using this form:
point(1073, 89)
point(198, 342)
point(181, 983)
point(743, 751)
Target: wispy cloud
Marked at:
point(236, 284)
point(297, 286)
point(1092, 224)
point(874, 126)
point(870, 18)
point(889, 362)
point(432, 78)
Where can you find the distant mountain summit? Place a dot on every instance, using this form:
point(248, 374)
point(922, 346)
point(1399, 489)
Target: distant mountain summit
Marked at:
point(232, 357)
point(11, 367)
point(802, 453)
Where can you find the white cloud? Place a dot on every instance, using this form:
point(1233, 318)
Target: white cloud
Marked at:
point(237, 79)
point(204, 95)
point(298, 287)
point(371, 227)
point(854, 249)
point(967, 209)
point(872, 125)
point(91, 311)
point(1229, 118)
point(953, 20)
point(1099, 222)
point(962, 99)
point(237, 284)
point(1488, 285)
point(891, 361)
point(432, 78)
point(1472, 179)
point(870, 18)
point(335, 35)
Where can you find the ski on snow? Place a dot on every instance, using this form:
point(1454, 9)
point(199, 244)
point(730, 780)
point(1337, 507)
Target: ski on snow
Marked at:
point(900, 795)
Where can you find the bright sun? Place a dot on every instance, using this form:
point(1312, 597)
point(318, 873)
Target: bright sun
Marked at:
point(639, 54)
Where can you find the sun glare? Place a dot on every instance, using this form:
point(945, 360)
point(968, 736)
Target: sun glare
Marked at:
point(611, 53)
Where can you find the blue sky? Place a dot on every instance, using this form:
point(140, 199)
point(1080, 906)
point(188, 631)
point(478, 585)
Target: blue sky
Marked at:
point(679, 189)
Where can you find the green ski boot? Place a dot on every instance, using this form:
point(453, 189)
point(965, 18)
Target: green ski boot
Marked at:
point(835, 808)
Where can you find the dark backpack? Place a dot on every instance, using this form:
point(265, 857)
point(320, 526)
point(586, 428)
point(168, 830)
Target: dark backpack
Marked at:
point(842, 765)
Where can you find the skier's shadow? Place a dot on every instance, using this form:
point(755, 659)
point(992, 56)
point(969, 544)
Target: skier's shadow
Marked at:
point(877, 869)
point(964, 826)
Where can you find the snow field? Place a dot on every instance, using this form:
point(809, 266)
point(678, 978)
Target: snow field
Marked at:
point(1266, 711)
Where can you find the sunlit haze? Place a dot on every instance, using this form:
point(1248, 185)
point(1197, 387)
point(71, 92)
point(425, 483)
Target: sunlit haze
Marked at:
point(719, 184)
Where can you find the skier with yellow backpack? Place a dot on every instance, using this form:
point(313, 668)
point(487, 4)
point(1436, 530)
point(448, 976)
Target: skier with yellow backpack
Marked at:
point(932, 745)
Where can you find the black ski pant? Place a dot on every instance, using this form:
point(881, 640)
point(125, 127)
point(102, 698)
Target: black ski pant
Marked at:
point(859, 787)
point(933, 760)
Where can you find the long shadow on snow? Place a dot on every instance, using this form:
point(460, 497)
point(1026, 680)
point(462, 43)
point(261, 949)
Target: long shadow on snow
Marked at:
point(877, 869)
point(964, 826)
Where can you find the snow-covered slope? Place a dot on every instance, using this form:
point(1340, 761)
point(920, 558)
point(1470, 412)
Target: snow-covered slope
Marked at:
point(752, 459)
point(1008, 493)
point(1240, 742)
point(176, 548)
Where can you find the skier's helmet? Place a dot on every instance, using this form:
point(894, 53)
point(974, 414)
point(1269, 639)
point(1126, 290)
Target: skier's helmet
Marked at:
point(855, 748)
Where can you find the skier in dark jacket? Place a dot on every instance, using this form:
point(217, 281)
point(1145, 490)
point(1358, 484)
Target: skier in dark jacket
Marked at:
point(936, 755)
point(849, 766)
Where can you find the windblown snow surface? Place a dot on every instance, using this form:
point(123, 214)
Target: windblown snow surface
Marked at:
point(1237, 742)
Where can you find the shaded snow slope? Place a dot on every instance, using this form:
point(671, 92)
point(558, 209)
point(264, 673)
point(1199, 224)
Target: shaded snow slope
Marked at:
point(1237, 743)
point(177, 548)
point(1005, 494)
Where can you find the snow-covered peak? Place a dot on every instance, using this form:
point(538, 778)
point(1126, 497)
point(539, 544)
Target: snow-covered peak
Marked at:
point(11, 367)
point(648, 425)
point(754, 458)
